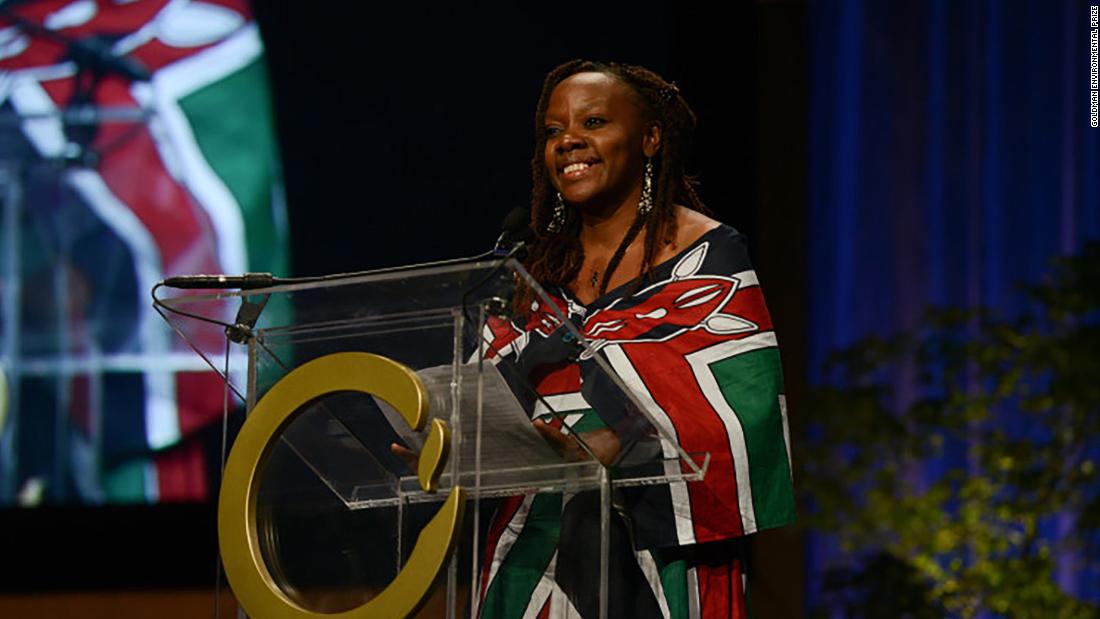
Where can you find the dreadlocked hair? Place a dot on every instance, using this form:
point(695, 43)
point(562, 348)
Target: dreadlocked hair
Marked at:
point(556, 256)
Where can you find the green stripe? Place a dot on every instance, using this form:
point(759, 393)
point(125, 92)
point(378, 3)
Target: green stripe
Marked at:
point(510, 591)
point(751, 384)
point(588, 422)
point(241, 149)
point(125, 482)
point(674, 583)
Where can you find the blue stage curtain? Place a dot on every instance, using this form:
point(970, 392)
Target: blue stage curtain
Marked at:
point(950, 158)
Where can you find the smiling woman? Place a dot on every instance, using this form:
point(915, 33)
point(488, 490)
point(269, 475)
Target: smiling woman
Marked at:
point(594, 126)
point(617, 129)
point(666, 297)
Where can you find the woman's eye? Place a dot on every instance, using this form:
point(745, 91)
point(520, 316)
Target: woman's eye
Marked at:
point(594, 121)
point(552, 131)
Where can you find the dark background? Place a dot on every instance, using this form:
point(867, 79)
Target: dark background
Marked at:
point(406, 136)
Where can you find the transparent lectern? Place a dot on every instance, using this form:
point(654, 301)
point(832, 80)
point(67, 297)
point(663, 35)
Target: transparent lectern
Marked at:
point(318, 517)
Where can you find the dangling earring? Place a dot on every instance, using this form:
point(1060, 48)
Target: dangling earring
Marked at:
point(645, 203)
point(557, 218)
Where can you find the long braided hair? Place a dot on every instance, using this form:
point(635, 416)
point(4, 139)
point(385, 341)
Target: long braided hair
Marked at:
point(556, 257)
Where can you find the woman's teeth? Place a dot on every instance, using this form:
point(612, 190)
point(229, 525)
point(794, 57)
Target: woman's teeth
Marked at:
point(575, 169)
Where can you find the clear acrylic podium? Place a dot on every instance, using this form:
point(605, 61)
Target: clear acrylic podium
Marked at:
point(317, 516)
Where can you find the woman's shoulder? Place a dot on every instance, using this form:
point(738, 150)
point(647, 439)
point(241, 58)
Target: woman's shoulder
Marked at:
point(725, 250)
point(692, 226)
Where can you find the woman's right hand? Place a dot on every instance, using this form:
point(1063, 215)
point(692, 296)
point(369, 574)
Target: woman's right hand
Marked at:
point(603, 442)
point(410, 457)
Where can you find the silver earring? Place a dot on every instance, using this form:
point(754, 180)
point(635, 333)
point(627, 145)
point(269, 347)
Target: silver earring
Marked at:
point(557, 218)
point(645, 203)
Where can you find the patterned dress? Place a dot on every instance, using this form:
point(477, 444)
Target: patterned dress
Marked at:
point(696, 345)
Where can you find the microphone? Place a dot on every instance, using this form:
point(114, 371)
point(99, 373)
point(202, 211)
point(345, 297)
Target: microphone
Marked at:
point(516, 233)
point(512, 243)
point(221, 282)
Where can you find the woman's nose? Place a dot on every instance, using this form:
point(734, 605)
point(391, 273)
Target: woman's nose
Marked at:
point(569, 141)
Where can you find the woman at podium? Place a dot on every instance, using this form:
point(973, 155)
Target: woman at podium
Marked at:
point(667, 296)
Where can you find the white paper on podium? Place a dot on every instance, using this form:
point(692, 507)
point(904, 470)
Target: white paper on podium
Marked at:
point(508, 440)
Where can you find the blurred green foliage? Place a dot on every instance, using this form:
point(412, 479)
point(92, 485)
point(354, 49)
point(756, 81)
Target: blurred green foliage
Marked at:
point(941, 458)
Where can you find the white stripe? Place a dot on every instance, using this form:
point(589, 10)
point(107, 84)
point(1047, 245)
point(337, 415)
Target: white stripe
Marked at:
point(653, 577)
point(569, 421)
point(786, 432)
point(695, 609)
point(118, 362)
point(561, 403)
point(513, 348)
point(152, 481)
point(199, 70)
point(681, 504)
point(44, 73)
point(732, 348)
point(561, 607)
point(485, 346)
point(508, 538)
point(542, 590)
point(44, 130)
point(748, 279)
point(176, 142)
point(520, 343)
point(7, 83)
point(161, 412)
point(700, 365)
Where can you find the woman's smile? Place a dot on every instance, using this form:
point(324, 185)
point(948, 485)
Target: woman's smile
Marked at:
point(596, 138)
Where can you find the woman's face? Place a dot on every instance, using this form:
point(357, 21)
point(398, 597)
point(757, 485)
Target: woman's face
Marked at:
point(597, 141)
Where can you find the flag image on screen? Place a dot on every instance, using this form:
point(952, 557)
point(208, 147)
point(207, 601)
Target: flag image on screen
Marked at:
point(110, 182)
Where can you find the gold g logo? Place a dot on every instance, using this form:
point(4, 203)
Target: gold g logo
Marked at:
point(238, 537)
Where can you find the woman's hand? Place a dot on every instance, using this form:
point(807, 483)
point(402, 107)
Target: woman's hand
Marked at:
point(410, 457)
point(603, 443)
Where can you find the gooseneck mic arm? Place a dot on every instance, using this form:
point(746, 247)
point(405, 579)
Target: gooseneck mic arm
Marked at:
point(247, 281)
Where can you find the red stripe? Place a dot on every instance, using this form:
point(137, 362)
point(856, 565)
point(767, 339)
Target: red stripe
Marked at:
point(721, 595)
point(749, 303)
point(180, 227)
point(545, 612)
point(740, 606)
point(181, 473)
point(504, 333)
point(699, 429)
point(563, 379)
point(200, 397)
point(80, 402)
point(504, 514)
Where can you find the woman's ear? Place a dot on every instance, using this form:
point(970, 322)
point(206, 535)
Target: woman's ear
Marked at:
point(651, 143)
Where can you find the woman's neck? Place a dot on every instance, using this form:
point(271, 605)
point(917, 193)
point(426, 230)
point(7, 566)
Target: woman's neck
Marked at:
point(605, 227)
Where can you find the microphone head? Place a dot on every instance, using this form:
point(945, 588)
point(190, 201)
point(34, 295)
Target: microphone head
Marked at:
point(516, 222)
point(516, 235)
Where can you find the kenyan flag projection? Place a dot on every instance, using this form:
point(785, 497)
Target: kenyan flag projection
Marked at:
point(136, 142)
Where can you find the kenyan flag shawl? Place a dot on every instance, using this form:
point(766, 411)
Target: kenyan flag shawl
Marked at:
point(698, 349)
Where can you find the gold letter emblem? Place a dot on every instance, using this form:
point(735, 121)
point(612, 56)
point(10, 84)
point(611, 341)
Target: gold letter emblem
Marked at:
point(252, 583)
